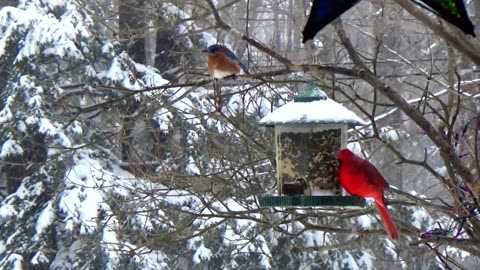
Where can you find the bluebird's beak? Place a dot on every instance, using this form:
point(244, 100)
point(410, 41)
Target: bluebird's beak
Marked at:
point(204, 50)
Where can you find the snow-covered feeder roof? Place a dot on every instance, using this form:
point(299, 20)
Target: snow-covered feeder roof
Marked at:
point(311, 106)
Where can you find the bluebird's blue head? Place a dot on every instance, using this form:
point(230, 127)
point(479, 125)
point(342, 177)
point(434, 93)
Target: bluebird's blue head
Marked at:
point(213, 49)
point(217, 48)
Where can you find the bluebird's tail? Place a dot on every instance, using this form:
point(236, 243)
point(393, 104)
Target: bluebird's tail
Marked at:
point(244, 68)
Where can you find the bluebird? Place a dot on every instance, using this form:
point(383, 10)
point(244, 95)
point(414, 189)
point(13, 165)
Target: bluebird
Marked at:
point(223, 63)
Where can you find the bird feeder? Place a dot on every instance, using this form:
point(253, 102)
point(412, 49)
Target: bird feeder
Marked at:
point(309, 133)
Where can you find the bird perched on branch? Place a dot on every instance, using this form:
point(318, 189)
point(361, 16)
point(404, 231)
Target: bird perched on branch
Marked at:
point(223, 63)
point(359, 177)
point(296, 188)
point(324, 12)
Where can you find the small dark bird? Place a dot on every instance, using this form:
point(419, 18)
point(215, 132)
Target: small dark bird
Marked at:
point(296, 188)
point(223, 63)
point(324, 12)
point(452, 11)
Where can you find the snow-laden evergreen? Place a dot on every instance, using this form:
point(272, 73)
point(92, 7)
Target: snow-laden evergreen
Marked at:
point(75, 207)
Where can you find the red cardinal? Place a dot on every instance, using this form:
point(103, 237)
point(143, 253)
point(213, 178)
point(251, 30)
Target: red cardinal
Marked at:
point(359, 177)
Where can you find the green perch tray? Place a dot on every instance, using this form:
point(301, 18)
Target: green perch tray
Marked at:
point(326, 201)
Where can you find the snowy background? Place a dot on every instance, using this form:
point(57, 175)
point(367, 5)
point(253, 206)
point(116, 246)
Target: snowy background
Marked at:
point(115, 155)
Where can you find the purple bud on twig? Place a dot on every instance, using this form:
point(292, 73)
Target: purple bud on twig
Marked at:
point(466, 188)
point(427, 234)
point(465, 128)
point(459, 231)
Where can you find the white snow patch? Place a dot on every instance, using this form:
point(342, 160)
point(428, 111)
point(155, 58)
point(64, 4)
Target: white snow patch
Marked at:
point(39, 257)
point(355, 147)
point(21, 126)
point(76, 128)
point(390, 249)
point(419, 215)
point(16, 261)
point(31, 120)
point(390, 134)
point(163, 117)
point(115, 72)
point(46, 127)
point(3, 247)
point(442, 170)
point(192, 168)
point(429, 49)
point(365, 222)
point(83, 199)
point(321, 192)
point(110, 238)
point(320, 111)
point(44, 219)
point(349, 262)
point(202, 254)
point(178, 197)
point(63, 139)
point(209, 39)
point(35, 101)
point(366, 260)
point(7, 210)
point(451, 250)
point(11, 147)
point(66, 255)
point(6, 114)
point(378, 12)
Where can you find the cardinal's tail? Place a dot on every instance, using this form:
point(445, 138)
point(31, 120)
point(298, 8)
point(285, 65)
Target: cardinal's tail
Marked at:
point(387, 219)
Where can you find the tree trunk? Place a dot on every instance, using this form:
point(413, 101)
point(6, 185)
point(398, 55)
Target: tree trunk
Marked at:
point(132, 28)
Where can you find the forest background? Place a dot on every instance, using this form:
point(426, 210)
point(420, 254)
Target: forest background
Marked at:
point(114, 154)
